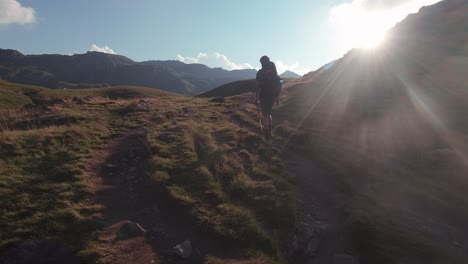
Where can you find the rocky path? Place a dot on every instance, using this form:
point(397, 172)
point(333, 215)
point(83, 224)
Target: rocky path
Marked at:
point(320, 236)
point(117, 171)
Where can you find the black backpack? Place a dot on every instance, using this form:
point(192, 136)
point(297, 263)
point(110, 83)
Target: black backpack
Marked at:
point(270, 83)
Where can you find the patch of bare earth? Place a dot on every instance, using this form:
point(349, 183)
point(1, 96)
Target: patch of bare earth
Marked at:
point(116, 172)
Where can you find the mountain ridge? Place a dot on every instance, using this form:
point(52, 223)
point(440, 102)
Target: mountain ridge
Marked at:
point(96, 69)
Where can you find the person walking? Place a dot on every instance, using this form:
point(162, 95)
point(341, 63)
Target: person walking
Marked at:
point(267, 92)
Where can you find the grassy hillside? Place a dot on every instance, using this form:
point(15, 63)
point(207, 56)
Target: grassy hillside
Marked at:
point(219, 175)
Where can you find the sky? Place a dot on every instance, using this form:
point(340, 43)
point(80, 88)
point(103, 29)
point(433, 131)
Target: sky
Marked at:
point(300, 35)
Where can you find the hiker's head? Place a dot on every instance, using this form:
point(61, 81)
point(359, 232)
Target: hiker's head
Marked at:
point(264, 60)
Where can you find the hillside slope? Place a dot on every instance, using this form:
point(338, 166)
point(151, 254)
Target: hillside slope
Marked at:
point(95, 69)
point(76, 164)
point(230, 89)
point(391, 124)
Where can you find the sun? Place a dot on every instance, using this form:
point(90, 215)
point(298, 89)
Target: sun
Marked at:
point(365, 31)
point(356, 27)
point(369, 37)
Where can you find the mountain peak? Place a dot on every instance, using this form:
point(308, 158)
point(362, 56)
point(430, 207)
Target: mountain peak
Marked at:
point(290, 74)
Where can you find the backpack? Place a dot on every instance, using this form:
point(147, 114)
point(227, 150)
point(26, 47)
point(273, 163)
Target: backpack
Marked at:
point(270, 82)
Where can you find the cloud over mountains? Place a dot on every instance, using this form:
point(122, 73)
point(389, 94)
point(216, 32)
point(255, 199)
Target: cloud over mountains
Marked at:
point(104, 49)
point(213, 60)
point(12, 12)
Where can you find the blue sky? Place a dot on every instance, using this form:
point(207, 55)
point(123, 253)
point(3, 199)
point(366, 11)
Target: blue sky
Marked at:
point(299, 35)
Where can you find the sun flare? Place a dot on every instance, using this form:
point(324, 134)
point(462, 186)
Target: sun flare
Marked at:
point(358, 28)
point(368, 37)
point(355, 25)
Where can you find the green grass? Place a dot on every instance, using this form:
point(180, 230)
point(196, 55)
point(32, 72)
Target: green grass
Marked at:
point(12, 97)
point(202, 171)
point(220, 175)
point(43, 194)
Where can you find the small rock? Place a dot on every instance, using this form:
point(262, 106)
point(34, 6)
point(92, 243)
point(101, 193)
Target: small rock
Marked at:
point(111, 166)
point(78, 100)
point(128, 230)
point(184, 249)
point(169, 115)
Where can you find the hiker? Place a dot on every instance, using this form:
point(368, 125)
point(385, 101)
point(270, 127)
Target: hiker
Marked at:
point(268, 90)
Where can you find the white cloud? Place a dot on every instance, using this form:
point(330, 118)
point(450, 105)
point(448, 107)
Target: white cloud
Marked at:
point(213, 60)
point(362, 22)
point(104, 49)
point(12, 12)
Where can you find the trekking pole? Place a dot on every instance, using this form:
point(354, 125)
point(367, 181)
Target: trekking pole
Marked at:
point(259, 116)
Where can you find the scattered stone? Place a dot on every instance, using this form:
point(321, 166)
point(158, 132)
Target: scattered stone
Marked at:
point(169, 115)
point(305, 243)
point(46, 108)
point(184, 249)
point(128, 230)
point(217, 100)
point(111, 166)
point(344, 259)
point(78, 100)
point(57, 101)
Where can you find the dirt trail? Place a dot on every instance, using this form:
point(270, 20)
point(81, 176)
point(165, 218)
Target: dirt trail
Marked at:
point(121, 184)
point(320, 206)
point(116, 173)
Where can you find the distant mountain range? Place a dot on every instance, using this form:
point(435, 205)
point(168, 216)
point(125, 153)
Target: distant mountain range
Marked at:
point(95, 69)
point(290, 74)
